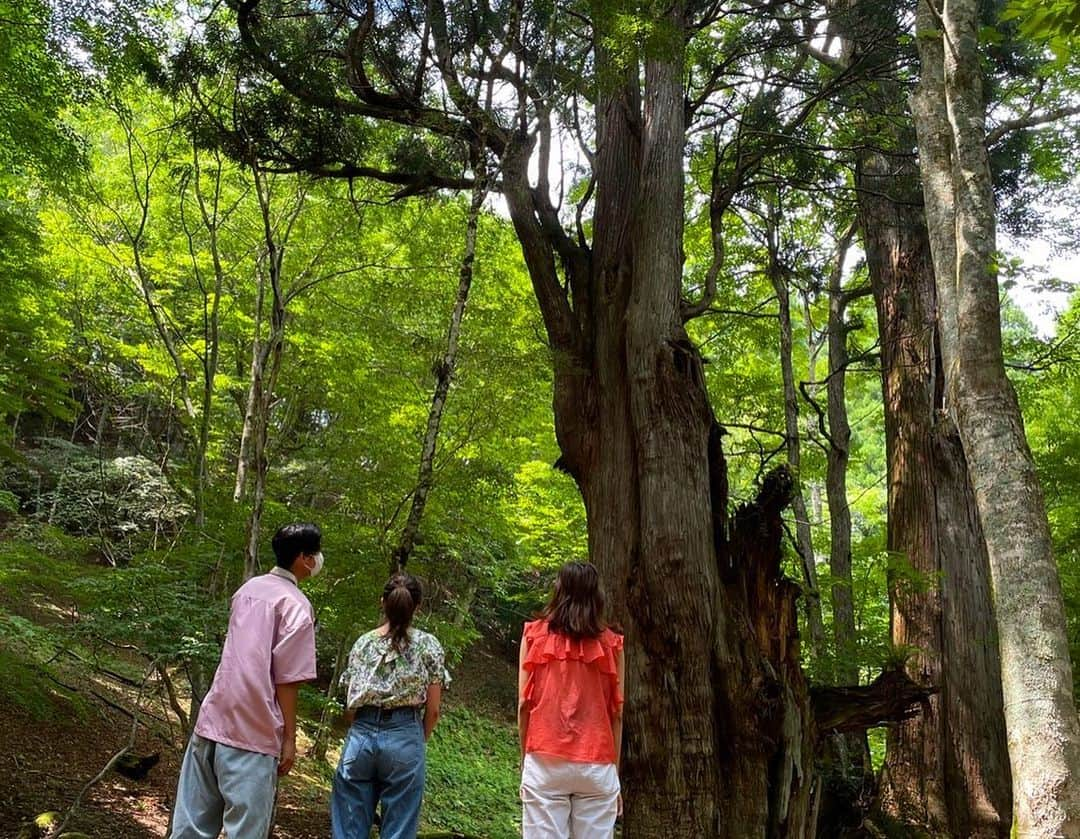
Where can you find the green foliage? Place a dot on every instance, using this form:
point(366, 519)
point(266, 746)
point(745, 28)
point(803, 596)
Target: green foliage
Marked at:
point(473, 777)
point(36, 147)
point(31, 350)
point(9, 502)
point(1055, 23)
point(85, 493)
point(157, 605)
point(25, 678)
point(39, 559)
point(23, 686)
point(34, 89)
point(1048, 385)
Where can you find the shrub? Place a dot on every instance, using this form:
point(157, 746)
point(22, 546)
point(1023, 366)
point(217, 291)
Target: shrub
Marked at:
point(117, 498)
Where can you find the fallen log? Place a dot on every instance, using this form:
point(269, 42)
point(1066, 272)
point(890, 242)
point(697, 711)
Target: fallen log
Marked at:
point(890, 698)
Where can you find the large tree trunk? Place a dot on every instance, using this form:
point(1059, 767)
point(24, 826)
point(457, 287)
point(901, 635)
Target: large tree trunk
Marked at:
point(978, 783)
point(914, 776)
point(1041, 719)
point(646, 482)
point(718, 730)
point(946, 770)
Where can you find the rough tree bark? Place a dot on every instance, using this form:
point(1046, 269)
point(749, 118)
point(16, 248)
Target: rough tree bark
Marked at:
point(717, 710)
point(1041, 719)
point(946, 770)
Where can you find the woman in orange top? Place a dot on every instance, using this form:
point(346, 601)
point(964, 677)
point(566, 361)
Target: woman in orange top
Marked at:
point(570, 697)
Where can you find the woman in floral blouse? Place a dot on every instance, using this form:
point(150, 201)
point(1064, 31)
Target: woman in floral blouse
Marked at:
point(395, 678)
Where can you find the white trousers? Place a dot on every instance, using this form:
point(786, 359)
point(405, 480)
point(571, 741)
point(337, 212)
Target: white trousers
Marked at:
point(561, 799)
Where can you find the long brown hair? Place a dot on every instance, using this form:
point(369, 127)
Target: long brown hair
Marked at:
point(576, 607)
point(401, 595)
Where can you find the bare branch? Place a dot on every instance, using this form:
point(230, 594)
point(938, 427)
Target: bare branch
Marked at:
point(1030, 120)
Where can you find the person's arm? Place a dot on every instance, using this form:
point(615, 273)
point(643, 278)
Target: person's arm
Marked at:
point(431, 708)
point(523, 705)
point(344, 681)
point(286, 698)
point(616, 721)
point(292, 662)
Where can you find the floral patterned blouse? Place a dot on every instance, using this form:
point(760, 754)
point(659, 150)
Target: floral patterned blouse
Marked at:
point(379, 675)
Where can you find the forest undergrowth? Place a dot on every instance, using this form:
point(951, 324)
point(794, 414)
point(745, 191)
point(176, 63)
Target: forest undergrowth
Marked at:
point(67, 710)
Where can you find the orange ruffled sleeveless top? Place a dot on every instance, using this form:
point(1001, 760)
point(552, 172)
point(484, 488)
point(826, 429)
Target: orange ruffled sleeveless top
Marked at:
point(572, 691)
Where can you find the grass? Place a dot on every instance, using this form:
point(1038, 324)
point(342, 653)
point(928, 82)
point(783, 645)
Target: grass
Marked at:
point(38, 566)
point(472, 776)
point(36, 559)
point(24, 685)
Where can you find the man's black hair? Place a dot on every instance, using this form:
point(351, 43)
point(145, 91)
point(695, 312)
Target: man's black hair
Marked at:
point(291, 540)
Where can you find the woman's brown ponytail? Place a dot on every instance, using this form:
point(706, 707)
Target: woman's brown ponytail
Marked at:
point(401, 595)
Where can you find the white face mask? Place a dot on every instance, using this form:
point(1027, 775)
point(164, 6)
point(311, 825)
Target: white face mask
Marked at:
point(318, 565)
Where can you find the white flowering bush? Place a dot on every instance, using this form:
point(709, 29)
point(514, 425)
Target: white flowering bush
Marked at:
point(75, 488)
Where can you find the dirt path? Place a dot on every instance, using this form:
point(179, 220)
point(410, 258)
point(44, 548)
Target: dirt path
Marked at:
point(44, 763)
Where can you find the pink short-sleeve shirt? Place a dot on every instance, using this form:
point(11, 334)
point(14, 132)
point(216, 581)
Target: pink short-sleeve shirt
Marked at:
point(271, 641)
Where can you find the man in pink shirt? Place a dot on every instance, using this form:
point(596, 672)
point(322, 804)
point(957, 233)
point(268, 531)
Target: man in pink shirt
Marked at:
point(246, 732)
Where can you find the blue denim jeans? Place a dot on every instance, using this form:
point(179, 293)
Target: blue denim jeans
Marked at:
point(383, 759)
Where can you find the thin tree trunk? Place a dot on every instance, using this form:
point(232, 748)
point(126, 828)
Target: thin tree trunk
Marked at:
point(444, 375)
point(846, 772)
point(255, 375)
point(259, 461)
point(804, 543)
point(464, 601)
point(1041, 719)
point(843, 606)
point(147, 289)
point(174, 701)
point(265, 365)
point(209, 216)
point(322, 737)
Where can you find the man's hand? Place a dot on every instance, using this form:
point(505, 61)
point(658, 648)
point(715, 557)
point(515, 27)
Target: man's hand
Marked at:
point(288, 756)
point(286, 700)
